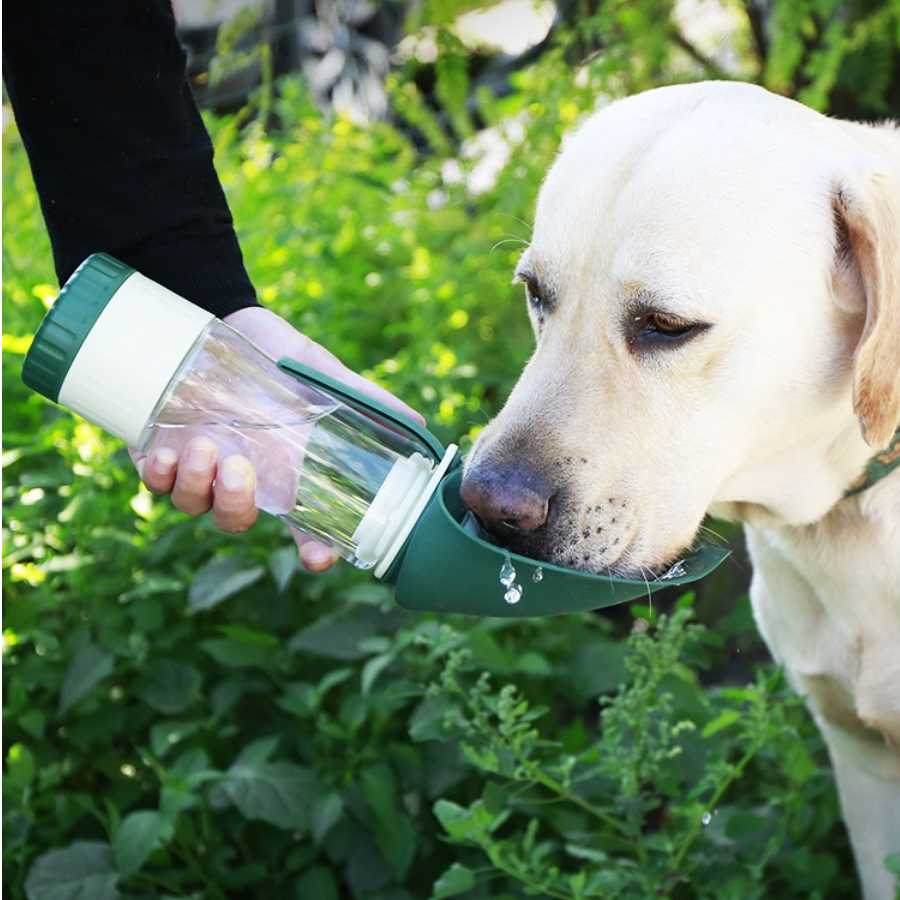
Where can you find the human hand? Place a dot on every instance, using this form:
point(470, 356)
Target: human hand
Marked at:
point(199, 482)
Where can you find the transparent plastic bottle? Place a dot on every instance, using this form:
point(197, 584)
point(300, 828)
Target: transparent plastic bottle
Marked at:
point(154, 370)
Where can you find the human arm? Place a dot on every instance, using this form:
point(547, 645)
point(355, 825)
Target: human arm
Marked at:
point(123, 164)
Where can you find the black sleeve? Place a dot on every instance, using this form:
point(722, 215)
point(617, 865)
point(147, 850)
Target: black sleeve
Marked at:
point(118, 150)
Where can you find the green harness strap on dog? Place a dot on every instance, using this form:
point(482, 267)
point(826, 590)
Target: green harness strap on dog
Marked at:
point(882, 463)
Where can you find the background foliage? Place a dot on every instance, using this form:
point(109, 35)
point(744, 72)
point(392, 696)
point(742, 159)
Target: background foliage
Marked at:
point(187, 715)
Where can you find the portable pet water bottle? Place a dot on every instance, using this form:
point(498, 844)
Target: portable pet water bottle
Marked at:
point(154, 370)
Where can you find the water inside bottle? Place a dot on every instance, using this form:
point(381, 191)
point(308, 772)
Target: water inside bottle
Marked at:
point(319, 474)
point(319, 463)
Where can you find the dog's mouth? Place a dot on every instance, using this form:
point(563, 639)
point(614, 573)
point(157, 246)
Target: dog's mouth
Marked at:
point(543, 512)
point(587, 540)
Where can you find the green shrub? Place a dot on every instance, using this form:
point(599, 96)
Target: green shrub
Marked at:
point(187, 715)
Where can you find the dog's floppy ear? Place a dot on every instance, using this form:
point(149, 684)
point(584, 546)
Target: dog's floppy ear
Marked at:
point(867, 208)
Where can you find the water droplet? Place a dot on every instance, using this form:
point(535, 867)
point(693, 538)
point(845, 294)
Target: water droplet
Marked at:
point(508, 580)
point(507, 572)
point(706, 818)
point(538, 575)
point(676, 571)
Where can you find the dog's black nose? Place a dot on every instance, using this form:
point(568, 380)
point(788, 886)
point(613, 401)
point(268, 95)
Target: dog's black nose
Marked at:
point(507, 499)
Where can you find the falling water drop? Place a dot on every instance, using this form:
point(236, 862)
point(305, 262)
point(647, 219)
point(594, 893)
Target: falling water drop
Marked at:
point(507, 572)
point(538, 575)
point(706, 818)
point(514, 594)
point(508, 580)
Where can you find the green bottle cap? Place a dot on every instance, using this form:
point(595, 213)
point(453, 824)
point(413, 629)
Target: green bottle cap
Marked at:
point(73, 314)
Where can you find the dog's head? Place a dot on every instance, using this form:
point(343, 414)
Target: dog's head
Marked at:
point(714, 286)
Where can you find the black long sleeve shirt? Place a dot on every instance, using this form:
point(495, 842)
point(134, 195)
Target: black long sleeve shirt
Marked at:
point(118, 150)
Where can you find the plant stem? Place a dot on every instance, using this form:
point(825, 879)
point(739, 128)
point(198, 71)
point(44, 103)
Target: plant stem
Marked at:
point(548, 781)
point(735, 773)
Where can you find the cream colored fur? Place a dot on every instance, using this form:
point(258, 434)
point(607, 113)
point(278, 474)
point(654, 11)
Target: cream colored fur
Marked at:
point(778, 230)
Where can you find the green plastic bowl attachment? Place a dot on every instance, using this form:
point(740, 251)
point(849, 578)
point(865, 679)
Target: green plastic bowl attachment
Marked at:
point(445, 568)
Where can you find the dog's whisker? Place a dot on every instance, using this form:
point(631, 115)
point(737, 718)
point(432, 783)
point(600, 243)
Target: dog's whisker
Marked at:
point(509, 240)
point(516, 219)
point(714, 534)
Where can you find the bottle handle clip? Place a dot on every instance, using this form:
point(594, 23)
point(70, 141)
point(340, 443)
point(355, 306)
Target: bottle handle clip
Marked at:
point(361, 403)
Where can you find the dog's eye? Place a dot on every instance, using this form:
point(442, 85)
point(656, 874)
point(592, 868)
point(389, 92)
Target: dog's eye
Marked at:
point(666, 325)
point(654, 328)
point(534, 300)
point(540, 298)
point(533, 296)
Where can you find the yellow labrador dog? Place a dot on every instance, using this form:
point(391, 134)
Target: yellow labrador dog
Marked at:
point(714, 281)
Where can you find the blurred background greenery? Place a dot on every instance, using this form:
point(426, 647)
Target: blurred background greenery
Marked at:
point(188, 715)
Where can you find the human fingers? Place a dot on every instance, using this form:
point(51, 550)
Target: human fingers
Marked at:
point(314, 557)
point(234, 507)
point(192, 491)
point(158, 469)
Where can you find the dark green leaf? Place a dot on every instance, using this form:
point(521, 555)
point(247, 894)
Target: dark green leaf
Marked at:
point(222, 577)
point(171, 686)
point(456, 880)
point(138, 836)
point(88, 668)
point(84, 870)
point(236, 654)
point(337, 638)
point(279, 793)
point(395, 833)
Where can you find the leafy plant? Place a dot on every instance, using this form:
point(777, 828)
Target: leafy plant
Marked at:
point(644, 808)
point(187, 715)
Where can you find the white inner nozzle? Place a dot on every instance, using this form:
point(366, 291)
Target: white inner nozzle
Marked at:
point(396, 508)
point(397, 493)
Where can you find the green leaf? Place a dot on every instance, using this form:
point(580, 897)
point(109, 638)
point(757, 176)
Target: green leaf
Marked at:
point(721, 722)
point(317, 883)
point(149, 587)
point(171, 686)
point(326, 813)
point(283, 563)
point(258, 752)
point(336, 638)
point(372, 669)
point(427, 722)
point(19, 767)
point(15, 830)
point(84, 870)
point(88, 668)
point(243, 635)
point(742, 825)
point(472, 824)
point(395, 833)
point(457, 879)
point(236, 654)
point(279, 793)
point(222, 577)
point(138, 836)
